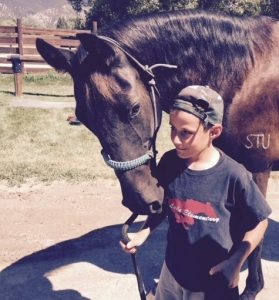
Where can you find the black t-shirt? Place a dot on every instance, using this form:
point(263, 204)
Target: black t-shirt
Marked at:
point(209, 211)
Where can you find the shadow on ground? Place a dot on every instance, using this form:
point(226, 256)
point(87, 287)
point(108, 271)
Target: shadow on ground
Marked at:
point(39, 94)
point(26, 278)
point(271, 242)
point(47, 95)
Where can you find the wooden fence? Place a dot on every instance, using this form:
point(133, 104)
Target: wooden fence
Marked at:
point(18, 53)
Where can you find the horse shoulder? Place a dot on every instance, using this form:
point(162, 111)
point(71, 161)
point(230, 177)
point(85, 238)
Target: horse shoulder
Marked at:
point(253, 116)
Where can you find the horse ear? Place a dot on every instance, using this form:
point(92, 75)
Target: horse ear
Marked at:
point(60, 59)
point(96, 46)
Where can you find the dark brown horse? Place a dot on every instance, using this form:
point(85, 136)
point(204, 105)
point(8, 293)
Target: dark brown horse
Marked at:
point(238, 57)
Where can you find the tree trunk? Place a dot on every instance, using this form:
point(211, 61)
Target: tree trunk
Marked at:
point(274, 5)
point(206, 4)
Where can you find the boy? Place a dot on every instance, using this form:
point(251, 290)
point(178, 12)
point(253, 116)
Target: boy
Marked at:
point(217, 215)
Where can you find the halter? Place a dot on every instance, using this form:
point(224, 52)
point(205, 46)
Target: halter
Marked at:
point(132, 164)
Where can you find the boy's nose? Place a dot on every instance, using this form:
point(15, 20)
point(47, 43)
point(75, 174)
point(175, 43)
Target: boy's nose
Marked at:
point(176, 140)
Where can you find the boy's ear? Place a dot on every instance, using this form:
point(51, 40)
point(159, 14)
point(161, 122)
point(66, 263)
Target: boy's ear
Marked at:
point(215, 131)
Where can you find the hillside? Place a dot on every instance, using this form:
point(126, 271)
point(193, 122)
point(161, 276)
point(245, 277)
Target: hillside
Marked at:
point(38, 13)
point(22, 8)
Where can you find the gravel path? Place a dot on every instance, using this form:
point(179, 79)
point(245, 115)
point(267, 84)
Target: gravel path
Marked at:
point(60, 241)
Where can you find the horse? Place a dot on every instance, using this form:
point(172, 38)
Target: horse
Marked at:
point(120, 94)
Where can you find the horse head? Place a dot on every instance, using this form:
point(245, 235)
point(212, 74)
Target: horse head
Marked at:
point(113, 102)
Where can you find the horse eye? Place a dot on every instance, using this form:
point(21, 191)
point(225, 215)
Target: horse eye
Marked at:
point(135, 111)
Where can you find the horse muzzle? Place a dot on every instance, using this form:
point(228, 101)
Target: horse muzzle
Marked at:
point(154, 207)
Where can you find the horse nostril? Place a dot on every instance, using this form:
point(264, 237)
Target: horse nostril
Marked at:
point(155, 207)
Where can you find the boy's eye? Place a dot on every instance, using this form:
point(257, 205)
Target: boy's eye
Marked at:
point(185, 133)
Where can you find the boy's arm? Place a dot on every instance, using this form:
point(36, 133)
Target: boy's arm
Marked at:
point(231, 267)
point(137, 239)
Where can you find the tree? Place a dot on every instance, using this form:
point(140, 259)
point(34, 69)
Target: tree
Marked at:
point(270, 8)
point(208, 4)
point(106, 11)
point(62, 23)
point(177, 4)
point(141, 6)
point(275, 8)
point(238, 7)
point(79, 23)
point(78, 5)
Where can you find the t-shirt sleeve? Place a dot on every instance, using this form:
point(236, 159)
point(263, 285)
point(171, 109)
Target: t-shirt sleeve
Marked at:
point(163, 168)
point(250, 202)
point(168, 168)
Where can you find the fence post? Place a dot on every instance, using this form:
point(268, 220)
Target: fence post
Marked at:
point(18, 66)
point(94, 27)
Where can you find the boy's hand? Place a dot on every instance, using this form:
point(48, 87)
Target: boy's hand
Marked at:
point(136, 239)
point(229, 270)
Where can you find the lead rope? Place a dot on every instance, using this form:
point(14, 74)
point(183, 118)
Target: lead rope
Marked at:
point(125, 240)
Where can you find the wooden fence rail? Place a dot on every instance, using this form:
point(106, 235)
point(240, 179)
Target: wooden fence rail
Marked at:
point(18, 53)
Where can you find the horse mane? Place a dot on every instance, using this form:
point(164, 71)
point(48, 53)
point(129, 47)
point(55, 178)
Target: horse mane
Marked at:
point(196, 25)
point(213, 49)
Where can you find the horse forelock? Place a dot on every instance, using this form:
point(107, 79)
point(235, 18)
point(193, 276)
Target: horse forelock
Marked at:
point(106, 82)
point(98, 81)
point(110, 91)
point(103, 86)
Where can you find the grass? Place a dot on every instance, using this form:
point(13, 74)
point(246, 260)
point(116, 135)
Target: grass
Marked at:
point(40, 145)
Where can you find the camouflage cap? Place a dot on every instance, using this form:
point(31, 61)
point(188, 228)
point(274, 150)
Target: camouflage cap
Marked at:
point(202, 102)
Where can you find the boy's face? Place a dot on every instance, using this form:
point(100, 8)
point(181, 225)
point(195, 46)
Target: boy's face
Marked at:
point(188, 134)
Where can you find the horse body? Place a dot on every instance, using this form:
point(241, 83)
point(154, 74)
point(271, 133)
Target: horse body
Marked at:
point(238, 57)
point(253, 115)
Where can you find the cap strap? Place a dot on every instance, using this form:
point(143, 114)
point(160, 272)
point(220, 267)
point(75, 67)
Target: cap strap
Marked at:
point(189, 107)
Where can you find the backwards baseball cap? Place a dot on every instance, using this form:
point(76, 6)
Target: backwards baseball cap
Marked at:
point(202, 102)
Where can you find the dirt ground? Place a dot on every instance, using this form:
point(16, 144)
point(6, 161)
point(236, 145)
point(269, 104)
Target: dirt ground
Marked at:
point(60, 241)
